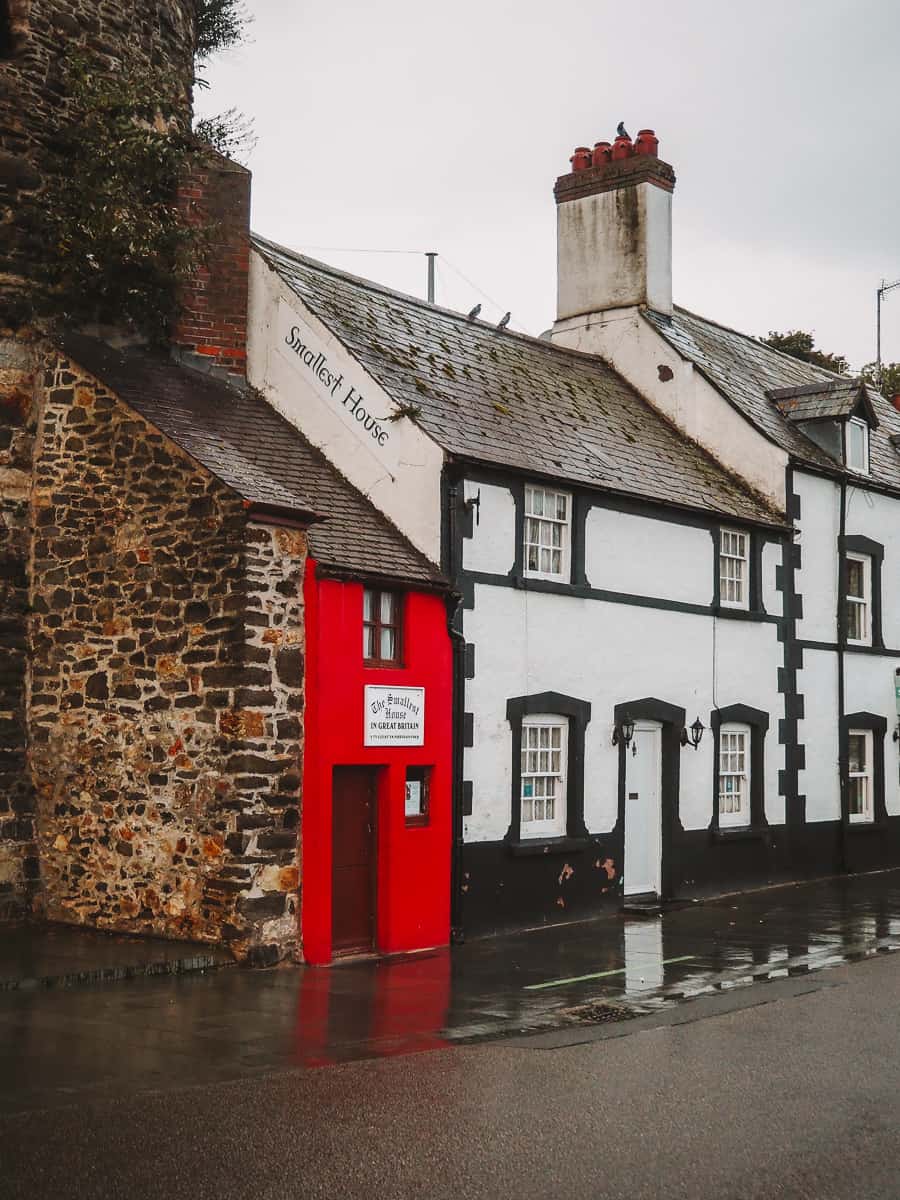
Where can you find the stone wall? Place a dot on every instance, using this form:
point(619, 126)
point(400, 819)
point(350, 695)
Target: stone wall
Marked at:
point(18, 416)
point(167, 686)
point(154, 33)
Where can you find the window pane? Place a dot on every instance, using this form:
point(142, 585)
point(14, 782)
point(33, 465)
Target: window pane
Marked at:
point(857, 438)
point(387, 643)
point(857, 755)
point(856, 625)
point(368, 605)
point(368, 641)
point(855, 578)
point(858, 806)
point(387, 608)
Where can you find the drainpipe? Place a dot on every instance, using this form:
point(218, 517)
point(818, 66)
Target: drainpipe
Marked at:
point(841, 644)
point(458, 642)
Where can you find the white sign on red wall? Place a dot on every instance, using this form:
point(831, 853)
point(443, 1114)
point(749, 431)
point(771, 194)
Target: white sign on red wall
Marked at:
point(394, 716)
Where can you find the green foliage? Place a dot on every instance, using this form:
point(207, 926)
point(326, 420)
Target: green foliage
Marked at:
point(229, 132)
point(220, 24)
point(890, 377)
point(802, 345)
point(109, 243)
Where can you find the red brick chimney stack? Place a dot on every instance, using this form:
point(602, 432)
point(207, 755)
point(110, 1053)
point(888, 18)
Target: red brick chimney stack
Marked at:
point(212, 323)
point(895, 400)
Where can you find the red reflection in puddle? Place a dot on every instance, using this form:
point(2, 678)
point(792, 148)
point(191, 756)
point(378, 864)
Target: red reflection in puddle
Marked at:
point(372, 1010)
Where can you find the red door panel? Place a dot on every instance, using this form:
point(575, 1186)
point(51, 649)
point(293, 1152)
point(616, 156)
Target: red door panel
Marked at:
point(353, 859)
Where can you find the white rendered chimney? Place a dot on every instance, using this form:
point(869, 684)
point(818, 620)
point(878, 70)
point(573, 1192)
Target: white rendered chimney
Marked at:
point(614, 229)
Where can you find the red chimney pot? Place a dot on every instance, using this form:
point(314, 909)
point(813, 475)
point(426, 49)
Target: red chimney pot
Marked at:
point(601, 155)
point(622, 148)
point(647, 143)
point(581, 159)
point(896, 401)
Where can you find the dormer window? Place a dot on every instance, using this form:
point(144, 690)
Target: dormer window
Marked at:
point(857, 446)
point(838, 416)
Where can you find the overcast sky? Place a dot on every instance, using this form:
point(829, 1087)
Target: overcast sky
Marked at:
point(413, 125)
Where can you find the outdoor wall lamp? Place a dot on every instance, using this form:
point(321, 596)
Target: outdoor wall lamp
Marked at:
point(695, 734)
point(623, 731)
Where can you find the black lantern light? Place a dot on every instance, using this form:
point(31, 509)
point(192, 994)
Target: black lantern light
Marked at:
point(623, 731)
point(694, 735)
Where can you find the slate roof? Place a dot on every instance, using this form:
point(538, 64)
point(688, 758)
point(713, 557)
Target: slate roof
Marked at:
point(745, 371)
point(816, 401)
point(240, 438)
point(509, 400)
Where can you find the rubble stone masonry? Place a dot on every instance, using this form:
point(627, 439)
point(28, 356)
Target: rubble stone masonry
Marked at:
point(156, 33)
point(167, 686)
point(18, 418)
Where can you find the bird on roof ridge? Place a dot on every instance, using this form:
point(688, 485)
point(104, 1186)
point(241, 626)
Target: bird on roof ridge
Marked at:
point(621, 131)
point(504, 320)
point(470, 316)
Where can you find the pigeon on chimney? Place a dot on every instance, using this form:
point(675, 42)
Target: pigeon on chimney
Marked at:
point(622, 131)
point(474, 313)
point(504, 321)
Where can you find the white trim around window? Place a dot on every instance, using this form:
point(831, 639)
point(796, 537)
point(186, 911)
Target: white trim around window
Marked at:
point(545, 740)
point(858, 600)
point(734, 568)
point(734, 776)
point(857, 453)
point(548, 533)
point(860, 776)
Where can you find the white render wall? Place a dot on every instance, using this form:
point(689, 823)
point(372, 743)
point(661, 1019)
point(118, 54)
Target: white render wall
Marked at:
point(637, 351)
point(868, 678)
point(492, 546)
point(646, 557)
point(528, 642)
point(399, 471)
point(817, 579)
point(613, 249)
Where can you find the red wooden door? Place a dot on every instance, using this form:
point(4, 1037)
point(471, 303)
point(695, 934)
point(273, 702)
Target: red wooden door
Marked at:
point(353, 860)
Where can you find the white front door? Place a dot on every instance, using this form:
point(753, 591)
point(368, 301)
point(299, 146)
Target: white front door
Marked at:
point(643, 811)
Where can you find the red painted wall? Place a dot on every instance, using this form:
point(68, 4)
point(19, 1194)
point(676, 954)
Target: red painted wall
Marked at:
point(413, 871)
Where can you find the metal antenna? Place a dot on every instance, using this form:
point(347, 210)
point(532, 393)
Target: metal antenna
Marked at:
point(431, 255)
point(880, 294)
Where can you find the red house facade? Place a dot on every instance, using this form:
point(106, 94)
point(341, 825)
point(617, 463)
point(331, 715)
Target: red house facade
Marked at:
point(376, 826)
point(377, 816)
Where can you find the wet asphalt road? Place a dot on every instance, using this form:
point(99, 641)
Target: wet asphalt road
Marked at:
point(761, 1059)
point(785, 1089)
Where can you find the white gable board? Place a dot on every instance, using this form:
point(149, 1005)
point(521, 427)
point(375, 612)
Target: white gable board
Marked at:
point(316, 384)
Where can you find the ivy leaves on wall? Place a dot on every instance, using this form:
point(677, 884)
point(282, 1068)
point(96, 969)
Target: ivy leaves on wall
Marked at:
point(106, 233)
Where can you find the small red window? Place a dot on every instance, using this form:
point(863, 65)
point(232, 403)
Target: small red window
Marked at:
point(381, 627)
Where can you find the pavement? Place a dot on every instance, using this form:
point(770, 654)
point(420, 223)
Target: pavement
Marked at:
point(786, 1089)
point(159, 1034)
point(35, 956)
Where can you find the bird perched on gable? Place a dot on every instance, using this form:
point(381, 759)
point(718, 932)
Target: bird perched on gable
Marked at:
point(622, 131)
point(474, 313)
point(504, 321)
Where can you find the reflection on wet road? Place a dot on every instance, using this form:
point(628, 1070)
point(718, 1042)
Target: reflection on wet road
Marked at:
point(163, 1033)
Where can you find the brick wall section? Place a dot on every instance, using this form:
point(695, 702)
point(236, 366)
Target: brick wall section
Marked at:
point(18, 415)
point(167, 686)
point(158, 33)
point(212, 323)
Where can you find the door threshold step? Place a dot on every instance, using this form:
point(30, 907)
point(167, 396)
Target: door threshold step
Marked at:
point(643, 906)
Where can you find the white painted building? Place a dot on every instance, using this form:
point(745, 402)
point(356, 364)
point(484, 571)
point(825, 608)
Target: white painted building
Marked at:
point(678, 626)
